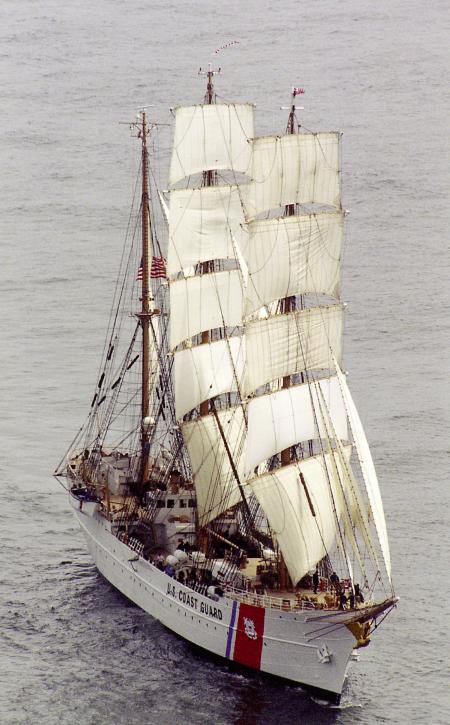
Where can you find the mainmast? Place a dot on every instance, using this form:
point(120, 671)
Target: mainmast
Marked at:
point(288, 303)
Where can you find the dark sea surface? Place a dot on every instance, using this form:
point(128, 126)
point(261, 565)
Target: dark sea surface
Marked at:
point(74, 651)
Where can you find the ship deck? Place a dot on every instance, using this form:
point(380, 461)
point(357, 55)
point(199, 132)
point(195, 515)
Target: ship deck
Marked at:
point(285, 599)
point(293, 599)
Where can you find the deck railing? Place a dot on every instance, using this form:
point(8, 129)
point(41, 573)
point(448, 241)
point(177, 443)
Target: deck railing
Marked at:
point(285, 604)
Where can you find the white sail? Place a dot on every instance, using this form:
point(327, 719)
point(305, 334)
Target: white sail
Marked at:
point(358, 513)
point(215, 484)
point(291, 343)
point(205, 371)
point(295, 168)
point(202, 224)
point(337, 473)
point(281, 419)
point(304, 534)
point(210, 137)
point(293, 255)
point(204, 302)
point(154, 356)
point(367, 468)
point(164, 207)
point(161, 456)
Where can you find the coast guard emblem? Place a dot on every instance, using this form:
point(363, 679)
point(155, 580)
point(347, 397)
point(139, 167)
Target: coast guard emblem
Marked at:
point(249, 638)
point(250, 630)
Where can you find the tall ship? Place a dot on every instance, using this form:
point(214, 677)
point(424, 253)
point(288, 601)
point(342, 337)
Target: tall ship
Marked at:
point(222, 479)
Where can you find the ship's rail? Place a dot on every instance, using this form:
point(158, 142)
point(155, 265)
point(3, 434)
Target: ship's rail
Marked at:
point(284, 603)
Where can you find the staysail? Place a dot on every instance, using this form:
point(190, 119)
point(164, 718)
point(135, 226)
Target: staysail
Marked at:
point(367, 469)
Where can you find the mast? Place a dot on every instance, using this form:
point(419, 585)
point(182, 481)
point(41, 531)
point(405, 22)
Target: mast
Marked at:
point(288, 303)
point(209, 179)
point(146, 311)
point(208, 136)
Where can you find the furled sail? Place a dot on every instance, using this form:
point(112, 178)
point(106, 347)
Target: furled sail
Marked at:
point(204, 371)
point(202, 224)
point(367, 468)
point(282, 419)
point(303, 521)
point(214, 136)
point(154, 356)
point(292, 255)
point(294, 169)
point(215, 484)
point(204, 302)
point(291, 343)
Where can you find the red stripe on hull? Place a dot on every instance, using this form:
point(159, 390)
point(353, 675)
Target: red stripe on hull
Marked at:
point(249, 636)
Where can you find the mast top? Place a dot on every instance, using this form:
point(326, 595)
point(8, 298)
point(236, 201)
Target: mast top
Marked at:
point(210, 73)
point(140, 125)
point(295, 91)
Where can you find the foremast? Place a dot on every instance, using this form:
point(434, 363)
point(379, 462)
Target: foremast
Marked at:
point(147, 306)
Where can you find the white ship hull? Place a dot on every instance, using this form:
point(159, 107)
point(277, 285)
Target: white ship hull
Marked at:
point(301, 646)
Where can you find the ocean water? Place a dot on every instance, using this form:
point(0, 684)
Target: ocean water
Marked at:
point(74, 651)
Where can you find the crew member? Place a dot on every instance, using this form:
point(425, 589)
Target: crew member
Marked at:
point(316, 580)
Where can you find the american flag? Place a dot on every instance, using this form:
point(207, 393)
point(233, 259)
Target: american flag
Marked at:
point(158, 268)
point(297, 91)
